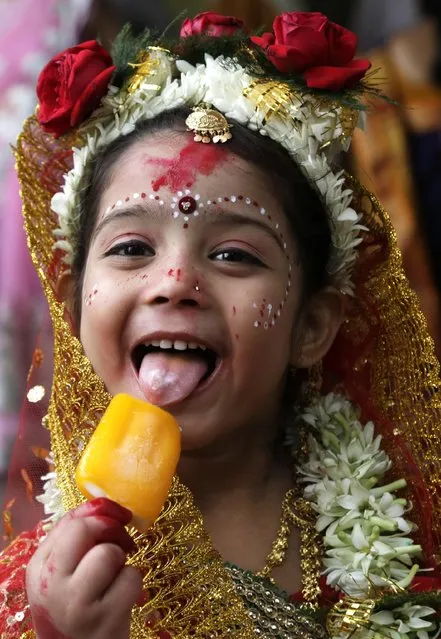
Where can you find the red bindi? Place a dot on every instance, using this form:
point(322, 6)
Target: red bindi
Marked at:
point(187, 205)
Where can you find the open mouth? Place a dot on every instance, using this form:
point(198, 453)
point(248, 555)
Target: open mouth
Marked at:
point(167, 347)
point(171, 370)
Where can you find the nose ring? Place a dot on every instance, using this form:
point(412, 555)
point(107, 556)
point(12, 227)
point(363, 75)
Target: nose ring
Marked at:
point(196, 288)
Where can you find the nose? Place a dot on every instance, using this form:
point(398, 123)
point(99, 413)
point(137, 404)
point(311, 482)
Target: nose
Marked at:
point(178, 287)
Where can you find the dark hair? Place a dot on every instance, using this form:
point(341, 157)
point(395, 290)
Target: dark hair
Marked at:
point(298, 196)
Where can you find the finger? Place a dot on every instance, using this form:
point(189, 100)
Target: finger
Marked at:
point(103, 507)
point(96, 572)
point(125, 590)
point(82, 535)
point(100, 507)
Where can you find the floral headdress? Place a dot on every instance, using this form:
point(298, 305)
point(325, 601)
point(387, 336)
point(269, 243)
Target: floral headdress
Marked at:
point(298, 85)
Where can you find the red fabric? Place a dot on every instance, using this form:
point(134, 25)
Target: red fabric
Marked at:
point(311, 45)
point(71, 86)
point(15, 616)
point(342, 373)
point(20, 510)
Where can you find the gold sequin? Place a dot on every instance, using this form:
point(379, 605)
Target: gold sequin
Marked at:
point(38, 357)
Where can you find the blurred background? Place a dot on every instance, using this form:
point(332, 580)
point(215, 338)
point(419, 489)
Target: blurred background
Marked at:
point(398, 156)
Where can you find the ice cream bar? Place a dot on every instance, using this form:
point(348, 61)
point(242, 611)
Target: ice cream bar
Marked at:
point(131, 458)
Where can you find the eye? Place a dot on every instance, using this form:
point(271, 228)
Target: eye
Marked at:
point(131, 248)
point(236, 255)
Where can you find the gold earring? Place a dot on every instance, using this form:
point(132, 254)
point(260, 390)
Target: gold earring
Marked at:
point(312, 384)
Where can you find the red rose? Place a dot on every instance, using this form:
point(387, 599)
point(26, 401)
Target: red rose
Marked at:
point(311, 45)
point(211, 24)
point(71, 86)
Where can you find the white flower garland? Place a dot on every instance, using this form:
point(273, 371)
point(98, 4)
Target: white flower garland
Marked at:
point(365, 533)
point(52, 497)
point(311, 134)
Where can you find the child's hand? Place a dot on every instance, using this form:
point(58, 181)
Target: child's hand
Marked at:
point(77, 584)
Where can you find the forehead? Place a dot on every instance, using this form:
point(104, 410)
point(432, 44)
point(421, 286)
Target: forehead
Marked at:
point(170, 162)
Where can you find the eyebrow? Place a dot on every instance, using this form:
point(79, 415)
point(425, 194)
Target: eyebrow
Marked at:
point(220, 216)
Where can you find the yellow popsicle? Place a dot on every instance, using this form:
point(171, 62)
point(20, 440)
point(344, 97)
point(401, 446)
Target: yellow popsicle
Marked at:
point(131, 458)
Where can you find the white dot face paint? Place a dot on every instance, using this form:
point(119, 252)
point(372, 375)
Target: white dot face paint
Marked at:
point(92, 295)
point(186, 206)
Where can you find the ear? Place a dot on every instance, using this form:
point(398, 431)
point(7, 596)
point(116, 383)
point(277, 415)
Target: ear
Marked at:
point(317, 327)
point(65, 292)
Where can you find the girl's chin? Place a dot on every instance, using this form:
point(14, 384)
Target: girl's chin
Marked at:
point(194, 441)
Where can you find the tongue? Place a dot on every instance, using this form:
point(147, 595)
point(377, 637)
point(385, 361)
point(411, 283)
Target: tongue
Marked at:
point(167, 379)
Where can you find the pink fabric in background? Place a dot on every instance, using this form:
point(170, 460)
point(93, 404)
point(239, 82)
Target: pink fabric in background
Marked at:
point(31, 32)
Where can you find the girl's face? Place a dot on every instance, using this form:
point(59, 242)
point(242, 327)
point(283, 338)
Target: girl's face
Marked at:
point(192, 288)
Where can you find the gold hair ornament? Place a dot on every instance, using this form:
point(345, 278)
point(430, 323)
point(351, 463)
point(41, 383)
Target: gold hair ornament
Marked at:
point(275, 98)
point(271, 98)
point(147, 65)
point(208, 125)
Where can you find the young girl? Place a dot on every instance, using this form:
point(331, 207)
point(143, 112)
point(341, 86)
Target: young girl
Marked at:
point(207, 256)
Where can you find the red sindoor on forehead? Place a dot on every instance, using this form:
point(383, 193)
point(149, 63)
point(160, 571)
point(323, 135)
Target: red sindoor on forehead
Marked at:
point(193, 160)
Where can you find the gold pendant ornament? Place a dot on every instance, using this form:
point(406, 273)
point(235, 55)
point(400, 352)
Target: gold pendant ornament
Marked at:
point(208, 125)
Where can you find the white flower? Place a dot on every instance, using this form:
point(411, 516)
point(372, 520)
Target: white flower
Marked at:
point(51, 498)
point(363, 521)
point(407, 622)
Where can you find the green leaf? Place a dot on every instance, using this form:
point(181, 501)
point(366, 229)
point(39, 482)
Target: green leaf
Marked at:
point(389, 602)
point(126, 48)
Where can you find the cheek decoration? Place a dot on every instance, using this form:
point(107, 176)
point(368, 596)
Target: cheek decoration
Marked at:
point(89, 299)
point(269, 314)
